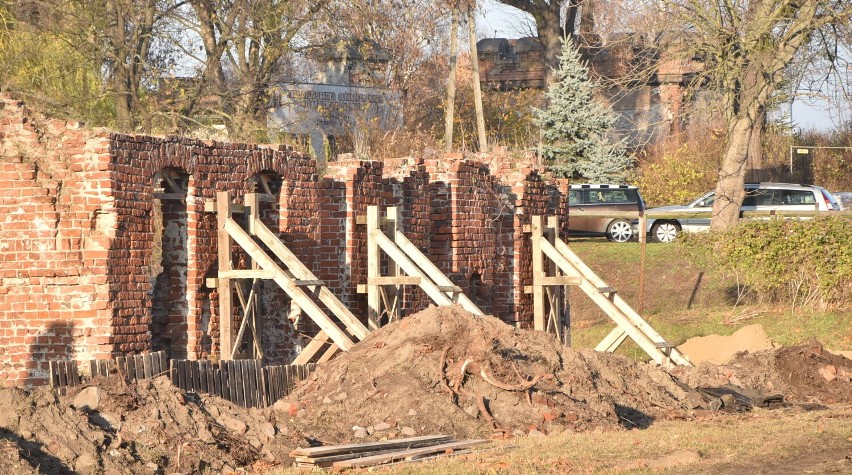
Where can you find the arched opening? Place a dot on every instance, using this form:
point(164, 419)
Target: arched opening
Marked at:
point(169, 305)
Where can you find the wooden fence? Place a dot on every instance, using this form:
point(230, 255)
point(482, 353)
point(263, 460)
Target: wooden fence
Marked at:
point(243, 382)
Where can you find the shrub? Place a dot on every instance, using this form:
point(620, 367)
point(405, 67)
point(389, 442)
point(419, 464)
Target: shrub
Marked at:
point(801, 262)
point(675, 172)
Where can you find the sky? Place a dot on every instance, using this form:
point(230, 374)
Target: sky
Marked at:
point(810, 111)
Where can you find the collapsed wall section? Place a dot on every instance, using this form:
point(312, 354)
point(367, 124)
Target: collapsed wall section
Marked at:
point(106, 248)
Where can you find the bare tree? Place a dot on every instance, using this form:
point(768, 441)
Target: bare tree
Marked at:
point(746, 47)
point(450, 104)
point(477, 92)
point(244, 42)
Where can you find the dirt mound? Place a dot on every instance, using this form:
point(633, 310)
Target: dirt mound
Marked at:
point(444, 370)
point(149, 427)
point(720, 349)
point(802, 374)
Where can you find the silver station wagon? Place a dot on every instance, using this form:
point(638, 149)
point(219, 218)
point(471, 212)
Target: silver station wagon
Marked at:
point(759, 197)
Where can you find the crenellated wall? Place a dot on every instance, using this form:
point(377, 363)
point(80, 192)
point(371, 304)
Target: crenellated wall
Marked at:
point(105, 246)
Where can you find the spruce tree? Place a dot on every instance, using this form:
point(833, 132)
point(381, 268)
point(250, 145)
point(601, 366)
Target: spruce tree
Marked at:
point(575, 125)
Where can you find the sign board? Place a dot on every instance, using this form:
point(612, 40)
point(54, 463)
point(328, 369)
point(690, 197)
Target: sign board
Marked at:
point(332, 109)
point(802, 151)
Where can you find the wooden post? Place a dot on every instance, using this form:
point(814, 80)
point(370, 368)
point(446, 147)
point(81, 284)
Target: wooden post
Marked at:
point(561, 328)
point(226, 322)
point(539, 321)
point(252, 214)
point(373, 297)
point(643, 239)
point(394, 294)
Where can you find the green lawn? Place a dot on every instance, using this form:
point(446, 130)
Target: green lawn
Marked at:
point(682, 301)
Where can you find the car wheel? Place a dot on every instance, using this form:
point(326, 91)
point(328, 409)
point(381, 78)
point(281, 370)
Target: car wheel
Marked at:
point(619, 230)
point(665, 231)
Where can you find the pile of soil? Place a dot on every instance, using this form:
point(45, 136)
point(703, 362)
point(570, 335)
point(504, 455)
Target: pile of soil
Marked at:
point(440, 371)
point(720, 349)
point(149, 427)
point(802, 374)
point(446, 371)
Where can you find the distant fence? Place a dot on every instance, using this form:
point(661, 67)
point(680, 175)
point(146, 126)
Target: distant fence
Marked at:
point(243, 382)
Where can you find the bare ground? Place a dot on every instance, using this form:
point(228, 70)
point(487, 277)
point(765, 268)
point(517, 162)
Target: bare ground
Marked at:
point(440, 371)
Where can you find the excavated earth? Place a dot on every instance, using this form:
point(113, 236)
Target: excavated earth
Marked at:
point(440, 371)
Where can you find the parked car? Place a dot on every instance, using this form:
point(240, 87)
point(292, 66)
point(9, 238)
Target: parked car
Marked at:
point(759, 197)
point(585, 201)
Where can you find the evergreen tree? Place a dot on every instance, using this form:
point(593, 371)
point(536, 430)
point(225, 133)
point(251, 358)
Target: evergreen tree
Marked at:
point(575, 125)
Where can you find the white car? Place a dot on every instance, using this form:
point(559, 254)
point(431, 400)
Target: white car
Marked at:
point(759, 197)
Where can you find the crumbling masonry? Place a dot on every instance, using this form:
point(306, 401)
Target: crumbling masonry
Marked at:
point(105, 246)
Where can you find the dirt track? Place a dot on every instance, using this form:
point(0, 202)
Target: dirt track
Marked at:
point(440, 371)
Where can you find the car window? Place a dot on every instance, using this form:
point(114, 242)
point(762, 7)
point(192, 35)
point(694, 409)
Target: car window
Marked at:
point(621, 196)
point(575, 197)
point(797, 197)
point(758, 197)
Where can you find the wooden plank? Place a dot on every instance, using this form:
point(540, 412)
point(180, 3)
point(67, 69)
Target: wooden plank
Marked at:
point(309, 282)
point(245, 274)
point(121, 366)
point(239, 385)
point(366, 446)
point(411, 268)
point(226, 321)
point(285, 280)
point(75, 373)
point(216, 375)
point(300, 271)
point(329, 353)
point(395, 280)
point(211, 382)
point(140, 367)
point(233, 384)
point(328, 461)
point(432, 271)
point(54, 374)
point(537, 227)
point(147, 366)
point(407, 454)
point(455, 289)
point(252, 393)
point(180, 375)
point(164, 362)
point(202, 377)
point(374, 310)
point(616, 300)
point(288, 379)
point(262, 389)
point(312, 348)
point(560, 280)
point(173, 373)
point(198, 386)
point(131, 367)
point(617, 309)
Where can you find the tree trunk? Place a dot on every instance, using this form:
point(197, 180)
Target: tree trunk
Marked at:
point(449, 116)
point(730, 189)
point(477, 92)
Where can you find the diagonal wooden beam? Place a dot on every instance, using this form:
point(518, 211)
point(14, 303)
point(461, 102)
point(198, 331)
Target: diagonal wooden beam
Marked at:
point(286, 281)
point(303, 273)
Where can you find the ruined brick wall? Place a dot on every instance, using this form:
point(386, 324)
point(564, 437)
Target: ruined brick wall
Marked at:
point(105, 245)
point(56, 222)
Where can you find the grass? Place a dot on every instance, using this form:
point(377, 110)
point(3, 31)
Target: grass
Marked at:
point(718, 444)
point(682, 301)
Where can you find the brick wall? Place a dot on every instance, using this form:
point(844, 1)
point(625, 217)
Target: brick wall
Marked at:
point(101, 255)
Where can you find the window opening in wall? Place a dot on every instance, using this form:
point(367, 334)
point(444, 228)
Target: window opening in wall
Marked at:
point(169, 305)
